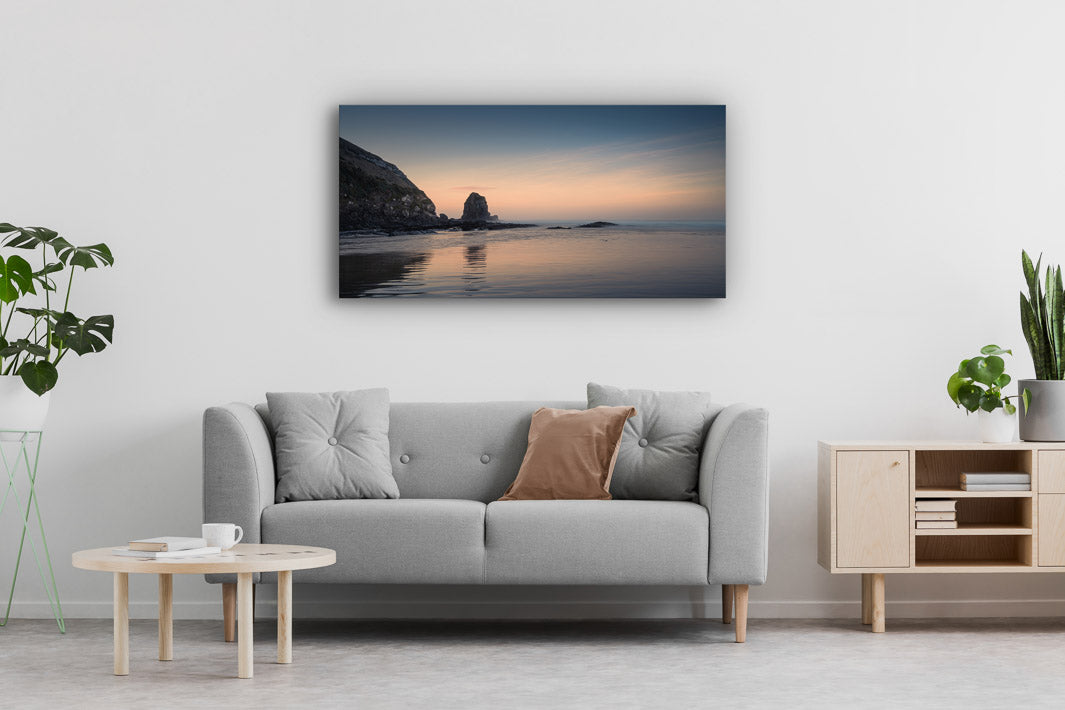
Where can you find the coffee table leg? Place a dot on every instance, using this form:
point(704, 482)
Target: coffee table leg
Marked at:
point(166, 617)
point(244, 626)
point(284, 617)
point(121, 623)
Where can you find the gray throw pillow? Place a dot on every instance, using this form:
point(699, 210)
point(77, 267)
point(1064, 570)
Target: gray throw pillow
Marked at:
point(332, 445)
point(659, 454)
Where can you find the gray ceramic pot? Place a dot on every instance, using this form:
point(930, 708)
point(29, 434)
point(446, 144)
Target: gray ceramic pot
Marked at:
point(1045, 420)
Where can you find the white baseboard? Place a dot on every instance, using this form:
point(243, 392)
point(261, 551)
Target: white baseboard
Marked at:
point(566, 610)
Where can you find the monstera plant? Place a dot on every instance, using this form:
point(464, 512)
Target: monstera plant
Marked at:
point(37, 327)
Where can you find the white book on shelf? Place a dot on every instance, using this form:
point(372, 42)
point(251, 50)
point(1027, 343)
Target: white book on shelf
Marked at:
point(935, 505)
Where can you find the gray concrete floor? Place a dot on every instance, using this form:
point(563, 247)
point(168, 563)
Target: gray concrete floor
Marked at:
point(974, 663)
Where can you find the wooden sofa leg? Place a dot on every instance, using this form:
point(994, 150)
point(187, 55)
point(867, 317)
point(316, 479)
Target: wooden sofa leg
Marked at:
point(740, 592)
point(229, 610)
point(726, 603)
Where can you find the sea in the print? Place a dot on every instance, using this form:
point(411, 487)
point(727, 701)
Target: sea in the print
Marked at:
point(633, 260)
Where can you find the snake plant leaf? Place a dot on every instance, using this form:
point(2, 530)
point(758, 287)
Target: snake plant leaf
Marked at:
point(83, 336)
point(23, 345)
point(89, 257)
point(954, 383)
point(1056, 316)
point(994, 350)
point(16, 278)
point(1033, 335)
point(969, 396)
point(29, 237)
point(1003, 380)
point(989, 402)
point(39, 376)
point(986, 370)
point(1029, 272)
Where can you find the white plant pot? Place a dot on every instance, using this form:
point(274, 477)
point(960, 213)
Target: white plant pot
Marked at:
point(20, 408)
point(997, 427)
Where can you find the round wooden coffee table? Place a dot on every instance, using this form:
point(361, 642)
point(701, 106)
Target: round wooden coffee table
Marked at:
point(242, 560)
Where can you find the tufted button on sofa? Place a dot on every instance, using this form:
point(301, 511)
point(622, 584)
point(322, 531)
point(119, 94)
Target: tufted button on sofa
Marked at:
point(452, 461)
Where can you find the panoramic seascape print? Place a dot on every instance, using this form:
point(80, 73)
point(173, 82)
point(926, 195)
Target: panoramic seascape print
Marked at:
point(532, 201)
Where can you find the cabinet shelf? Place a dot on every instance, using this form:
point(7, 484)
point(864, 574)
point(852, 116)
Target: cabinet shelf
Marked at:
point(971, 565)
point(959, 493)
point(981, 529)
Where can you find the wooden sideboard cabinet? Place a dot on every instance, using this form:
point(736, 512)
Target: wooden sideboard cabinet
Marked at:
point(867, 493)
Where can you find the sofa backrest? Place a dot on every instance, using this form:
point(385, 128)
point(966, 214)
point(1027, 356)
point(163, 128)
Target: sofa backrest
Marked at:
point(469, 450)
point(460, 450)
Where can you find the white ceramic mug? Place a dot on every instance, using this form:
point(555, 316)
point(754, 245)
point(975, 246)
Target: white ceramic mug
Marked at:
point(224, 535)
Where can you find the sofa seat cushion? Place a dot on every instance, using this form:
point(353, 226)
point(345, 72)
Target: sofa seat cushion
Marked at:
point(403, 541)
point(596, 542)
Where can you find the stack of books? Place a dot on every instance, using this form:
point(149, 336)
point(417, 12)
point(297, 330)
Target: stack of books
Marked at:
point(936, 514)
point(161, 548)
point(1005, 481)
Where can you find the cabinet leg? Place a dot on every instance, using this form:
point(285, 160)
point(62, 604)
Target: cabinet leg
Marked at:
point(877, 599)
point(229, 610)
point(740, 593)
point(726, 603)
point(867, 600)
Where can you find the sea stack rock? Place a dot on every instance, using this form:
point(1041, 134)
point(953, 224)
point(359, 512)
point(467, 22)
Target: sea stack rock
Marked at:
point(475, 209)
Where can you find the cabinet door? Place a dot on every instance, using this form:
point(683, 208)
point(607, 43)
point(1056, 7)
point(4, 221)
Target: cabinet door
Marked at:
point(873, 509)
point(1051, 529)
point(1052, 471)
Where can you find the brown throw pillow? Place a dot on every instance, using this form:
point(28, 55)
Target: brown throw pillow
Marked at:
point(571, 454)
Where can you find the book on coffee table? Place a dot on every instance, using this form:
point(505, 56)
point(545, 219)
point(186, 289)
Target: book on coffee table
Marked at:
point(148, 555)
point(167, 544)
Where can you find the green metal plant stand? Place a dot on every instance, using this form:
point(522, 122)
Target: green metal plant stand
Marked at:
point(28, 445)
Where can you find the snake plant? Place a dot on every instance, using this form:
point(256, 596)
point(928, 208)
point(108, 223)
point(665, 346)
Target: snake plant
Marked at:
point(1043, 318)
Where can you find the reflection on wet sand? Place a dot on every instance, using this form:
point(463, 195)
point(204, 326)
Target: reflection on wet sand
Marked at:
point(473, 274)
point(360, 273)
point(620, 262)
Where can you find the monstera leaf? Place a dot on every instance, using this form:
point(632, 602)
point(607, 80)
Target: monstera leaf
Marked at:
point(83, 336)
point(39, 376)
point(16, 278)
point(27, 237)
point(88, 257)
point(43, 276)
point(23, 345)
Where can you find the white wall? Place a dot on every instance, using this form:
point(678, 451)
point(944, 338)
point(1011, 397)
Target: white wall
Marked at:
point(886, 163)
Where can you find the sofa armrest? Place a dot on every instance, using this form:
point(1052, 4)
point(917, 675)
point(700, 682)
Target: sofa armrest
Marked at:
point(734, 488)
point(238, 471)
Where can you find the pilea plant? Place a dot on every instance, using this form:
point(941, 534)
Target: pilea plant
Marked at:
point(978, 382)
point(34, 335)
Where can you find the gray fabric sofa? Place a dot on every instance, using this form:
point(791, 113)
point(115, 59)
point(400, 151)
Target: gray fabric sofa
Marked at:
point(451, 463)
